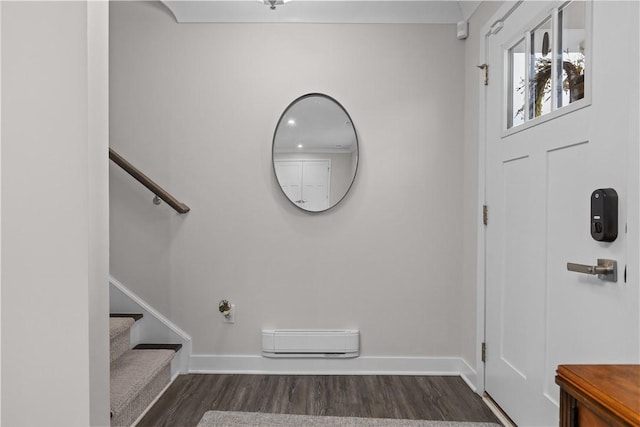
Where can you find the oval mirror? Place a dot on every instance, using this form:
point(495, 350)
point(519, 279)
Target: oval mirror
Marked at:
point(315, 152)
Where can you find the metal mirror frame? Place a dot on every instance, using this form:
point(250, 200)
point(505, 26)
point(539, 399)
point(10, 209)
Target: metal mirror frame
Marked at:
point(273, 145)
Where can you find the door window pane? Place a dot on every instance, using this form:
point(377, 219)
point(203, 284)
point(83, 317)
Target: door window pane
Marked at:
point(572, 23)
point(546, 67)
point(540, 70)
point(517, 84)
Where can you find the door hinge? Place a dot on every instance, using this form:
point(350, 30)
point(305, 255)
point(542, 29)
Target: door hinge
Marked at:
point(485, 214)
point(484, 352)
point(485, 69)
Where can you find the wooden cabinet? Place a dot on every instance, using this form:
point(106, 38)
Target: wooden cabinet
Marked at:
point(599, 395)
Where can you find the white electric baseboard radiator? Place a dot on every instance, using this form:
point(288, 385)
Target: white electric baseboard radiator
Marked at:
point(310, 343)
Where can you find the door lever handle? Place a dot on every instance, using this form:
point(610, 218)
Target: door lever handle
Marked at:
point(607, 269)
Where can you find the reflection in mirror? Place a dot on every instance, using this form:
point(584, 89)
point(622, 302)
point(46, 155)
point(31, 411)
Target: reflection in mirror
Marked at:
point(315, 152)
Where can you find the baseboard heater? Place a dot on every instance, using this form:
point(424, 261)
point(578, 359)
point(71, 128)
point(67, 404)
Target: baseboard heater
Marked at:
point(310, 343)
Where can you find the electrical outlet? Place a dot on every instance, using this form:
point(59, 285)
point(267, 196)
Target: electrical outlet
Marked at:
point(231, 318)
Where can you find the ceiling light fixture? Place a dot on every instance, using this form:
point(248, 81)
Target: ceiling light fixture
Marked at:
point(273, 3)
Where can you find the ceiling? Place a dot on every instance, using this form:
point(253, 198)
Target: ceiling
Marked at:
point(325, 11)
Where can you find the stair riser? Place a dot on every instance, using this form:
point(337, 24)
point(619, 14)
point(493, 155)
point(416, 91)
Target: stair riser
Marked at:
point(119, 345)
point(138, 405)
point(120, 336)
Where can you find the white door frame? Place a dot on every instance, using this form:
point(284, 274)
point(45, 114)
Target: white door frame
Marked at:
point(502, 13)
point(633, 182)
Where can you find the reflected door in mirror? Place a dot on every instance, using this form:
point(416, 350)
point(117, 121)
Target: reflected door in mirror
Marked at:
point(305, 182)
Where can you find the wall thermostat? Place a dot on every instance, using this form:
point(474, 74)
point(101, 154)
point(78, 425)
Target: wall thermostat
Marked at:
point(604, 215)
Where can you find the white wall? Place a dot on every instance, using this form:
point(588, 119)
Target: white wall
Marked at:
point(195, 106)
point(0, 214)
point(54, 253)
point(98, 214)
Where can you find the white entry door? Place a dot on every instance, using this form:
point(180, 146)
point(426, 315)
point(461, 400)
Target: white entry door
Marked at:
point(547, 149)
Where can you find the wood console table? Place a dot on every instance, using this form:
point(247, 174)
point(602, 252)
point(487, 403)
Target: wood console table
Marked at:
point(599, 395)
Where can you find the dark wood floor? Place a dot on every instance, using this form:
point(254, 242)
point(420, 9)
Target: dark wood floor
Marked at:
point(409, 397)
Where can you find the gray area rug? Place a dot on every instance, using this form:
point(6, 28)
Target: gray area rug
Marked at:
point(232, 419)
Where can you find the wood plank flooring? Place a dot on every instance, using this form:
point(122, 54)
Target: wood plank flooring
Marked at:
point(408, 397)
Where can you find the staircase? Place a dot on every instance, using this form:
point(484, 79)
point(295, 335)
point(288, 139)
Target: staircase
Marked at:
point(139, 374)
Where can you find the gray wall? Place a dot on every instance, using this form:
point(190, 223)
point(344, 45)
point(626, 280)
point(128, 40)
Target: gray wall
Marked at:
point(55, 363)
point(195, 106)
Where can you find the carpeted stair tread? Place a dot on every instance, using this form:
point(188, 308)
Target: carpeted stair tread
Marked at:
point(135, 316)
point(173, 347)
point(131, 372)
point(118, 325)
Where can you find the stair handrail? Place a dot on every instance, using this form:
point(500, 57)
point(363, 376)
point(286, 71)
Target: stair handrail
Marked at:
point(148, 182)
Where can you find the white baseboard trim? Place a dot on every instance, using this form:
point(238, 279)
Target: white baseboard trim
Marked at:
point(363, 365)
point(469, 375)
